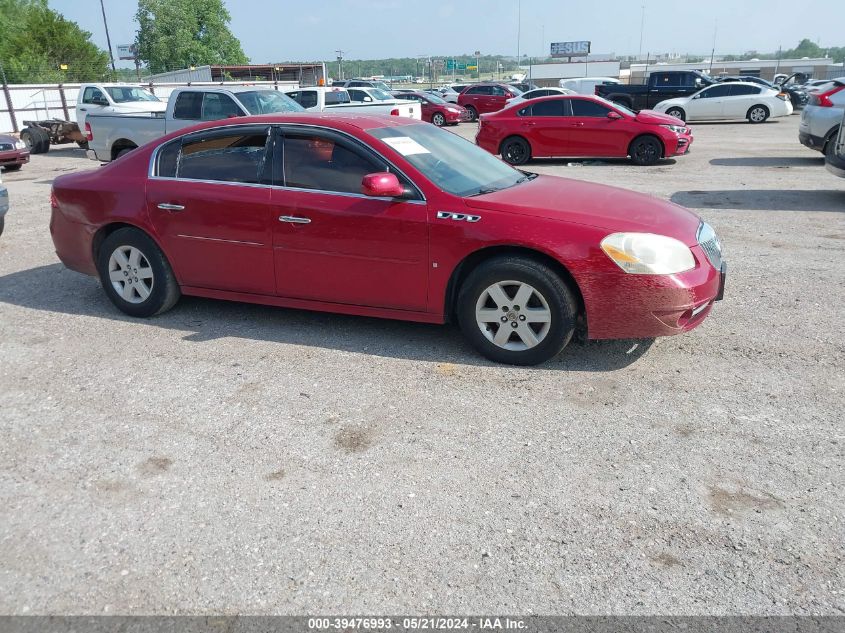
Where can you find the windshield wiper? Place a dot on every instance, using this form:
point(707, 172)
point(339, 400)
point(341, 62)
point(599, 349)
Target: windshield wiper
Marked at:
point(482, 191)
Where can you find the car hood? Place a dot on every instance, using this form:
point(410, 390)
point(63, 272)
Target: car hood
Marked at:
point(591, 204)
point(668, 103)
point(657, 118)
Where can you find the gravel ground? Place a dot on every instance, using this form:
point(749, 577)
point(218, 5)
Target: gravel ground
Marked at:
point(230, 458)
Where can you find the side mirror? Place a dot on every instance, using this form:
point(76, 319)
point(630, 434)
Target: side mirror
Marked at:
point(382, 185)
point(614, 116)
point(100, 102)
point(367, 99)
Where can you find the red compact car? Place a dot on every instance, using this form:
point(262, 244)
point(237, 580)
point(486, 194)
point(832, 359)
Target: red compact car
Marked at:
point(482, 98)
point(385, 217)
point(581, 126)
point(13, 153)
point(436, 110)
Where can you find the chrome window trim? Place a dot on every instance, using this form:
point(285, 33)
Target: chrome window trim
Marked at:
point(154, 156)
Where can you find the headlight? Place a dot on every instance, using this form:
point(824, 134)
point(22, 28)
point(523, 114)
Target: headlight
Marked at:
point(20, 145)
point(648, 254)
point(677, 129)
point(455, 110)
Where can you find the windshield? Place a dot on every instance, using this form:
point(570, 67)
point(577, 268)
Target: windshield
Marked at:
point(616, 106)
point(381, 95)
point(268, 102)
point(450, 162)
point(381, 86)
point(126, 94)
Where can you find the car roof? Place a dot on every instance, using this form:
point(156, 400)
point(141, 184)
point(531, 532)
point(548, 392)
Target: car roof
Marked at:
point(331, 120)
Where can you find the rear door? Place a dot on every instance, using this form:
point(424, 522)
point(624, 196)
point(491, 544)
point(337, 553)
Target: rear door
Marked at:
point(332, 243)
point(739, 100)
point(210, 205)
point(548, 127)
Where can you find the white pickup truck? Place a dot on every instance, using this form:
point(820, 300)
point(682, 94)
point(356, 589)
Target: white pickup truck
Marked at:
point(110, 135)
point(115, 99)
point(320, 99)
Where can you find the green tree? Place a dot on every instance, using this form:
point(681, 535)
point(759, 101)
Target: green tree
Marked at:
point(37, 42)
point(177, 34)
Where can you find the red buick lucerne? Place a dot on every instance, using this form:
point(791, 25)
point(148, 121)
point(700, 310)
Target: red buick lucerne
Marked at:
point(385, 217)
point(584, 127)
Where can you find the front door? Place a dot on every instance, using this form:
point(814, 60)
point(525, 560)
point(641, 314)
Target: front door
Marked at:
point(332, 243)
point(593, 133)
point(210, 205)
point(710, 103)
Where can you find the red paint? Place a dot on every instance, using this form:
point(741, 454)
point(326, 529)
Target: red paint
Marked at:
point(452, 113)
point(381, 257)
point(483, 103)
point(381, 185)
point(574, 136)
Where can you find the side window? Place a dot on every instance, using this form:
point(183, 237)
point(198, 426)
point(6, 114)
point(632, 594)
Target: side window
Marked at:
point(556, 107)
point(92, 94)
point(526, 111)
point(168, 157)
point(585, 108)
point(478, 90)
point(661, 79)
point(296, 96)
point(716, 91)
point(359, 96)
point(308, 98)
point(324, 163)
point(218, 106)
point(236, 156)
point(741, 91)
point(498, 91)
point(188, 106)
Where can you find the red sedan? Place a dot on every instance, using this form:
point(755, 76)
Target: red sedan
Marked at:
point(482, 98)
point(13, 153)
point(385, 217)
point(583, 127)
point(436, 110)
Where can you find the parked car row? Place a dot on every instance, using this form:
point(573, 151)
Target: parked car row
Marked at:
point(821, 119)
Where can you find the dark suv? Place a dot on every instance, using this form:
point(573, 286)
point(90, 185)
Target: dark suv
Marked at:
point(483, 98)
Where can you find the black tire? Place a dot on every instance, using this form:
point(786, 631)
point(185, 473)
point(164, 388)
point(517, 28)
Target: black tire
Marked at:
point(12, 167)
point(757, 114)
point(163, 289)
point(645, 150)
point(829, 148)
point(473, 113)
point(82, 144)
point(123, 152)
point(557, 295)
point(2, 224)
point(438, 119)
point(678, 113)
point(515, 151)
point(36, 140)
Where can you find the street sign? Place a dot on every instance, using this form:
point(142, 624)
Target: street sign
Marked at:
point(570, 49)
point(450, 64)
point(462, 66)
point(473, 67)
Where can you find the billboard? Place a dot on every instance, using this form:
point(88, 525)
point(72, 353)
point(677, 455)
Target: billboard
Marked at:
point(570, 49)
point(126, 51)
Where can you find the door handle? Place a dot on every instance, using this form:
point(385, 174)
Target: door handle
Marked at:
point(83, 109)
point(292, 219)
point(577, 125)
point(166, 206)
point(528, 124)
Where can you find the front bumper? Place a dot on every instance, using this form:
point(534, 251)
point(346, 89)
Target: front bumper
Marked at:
point(683, 145)
point(622, 306)
point(14, 157)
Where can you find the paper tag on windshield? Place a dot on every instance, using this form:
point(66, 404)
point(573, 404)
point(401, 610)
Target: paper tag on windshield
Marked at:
point(405, 145)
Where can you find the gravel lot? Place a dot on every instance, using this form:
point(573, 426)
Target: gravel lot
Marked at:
point(245, 459)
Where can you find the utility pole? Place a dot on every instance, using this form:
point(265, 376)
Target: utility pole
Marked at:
point(339, 64)
point(108, 39)
point(642, 28)
point(518, 30)
point(713, 52)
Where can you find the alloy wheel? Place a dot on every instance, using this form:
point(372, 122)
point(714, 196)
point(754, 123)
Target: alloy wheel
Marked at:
point(758, 115)
point(130, 274)
point(513, 315)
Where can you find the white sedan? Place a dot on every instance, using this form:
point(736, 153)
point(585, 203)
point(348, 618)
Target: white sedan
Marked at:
point(735, 100)
point(537, 93)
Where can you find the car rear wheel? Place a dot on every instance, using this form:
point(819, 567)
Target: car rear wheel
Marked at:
point(516, 151)
point(438, 119)
point(758, 114)
point(2, 224)
point(646, 150)
point(123, 152)
point(677, 113)
point(136, 275)
point(473, 113)
point(517, 311)
point(13, 167)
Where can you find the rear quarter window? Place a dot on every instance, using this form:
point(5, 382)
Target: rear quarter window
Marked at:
point(188, 106)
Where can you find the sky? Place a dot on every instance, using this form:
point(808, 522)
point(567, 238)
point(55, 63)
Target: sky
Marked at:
point(278, 30)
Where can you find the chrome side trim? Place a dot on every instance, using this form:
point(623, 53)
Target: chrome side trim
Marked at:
point(216, 239)
point(459, 217)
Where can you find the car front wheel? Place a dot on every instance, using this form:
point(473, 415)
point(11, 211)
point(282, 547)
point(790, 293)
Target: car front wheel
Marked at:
point(135, 274)
point(473, 113)
point(646, 150)
point(438, 119)
point(517, 311)
point(677, 113)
